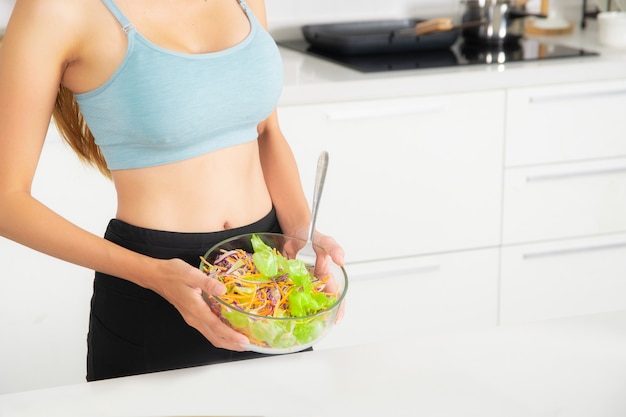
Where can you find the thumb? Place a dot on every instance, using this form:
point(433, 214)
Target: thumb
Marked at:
point(213, 286)
point(337, 255)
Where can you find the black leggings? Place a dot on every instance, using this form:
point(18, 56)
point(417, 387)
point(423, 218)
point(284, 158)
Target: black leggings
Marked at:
point(133, 330)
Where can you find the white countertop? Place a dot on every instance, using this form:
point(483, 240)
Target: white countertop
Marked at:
point(312, 80)
point(560, 368)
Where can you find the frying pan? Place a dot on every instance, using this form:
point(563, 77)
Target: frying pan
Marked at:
point(375, 37)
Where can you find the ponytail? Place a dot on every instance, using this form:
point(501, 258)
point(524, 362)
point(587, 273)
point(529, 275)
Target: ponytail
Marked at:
point(74, 131)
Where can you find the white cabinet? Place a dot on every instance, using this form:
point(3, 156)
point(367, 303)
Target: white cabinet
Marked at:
point(564, 200)
point(418, 295)
point(563, 278)
point(406, 176)
point(565, 123)
point(564, 191)
point(409, 178)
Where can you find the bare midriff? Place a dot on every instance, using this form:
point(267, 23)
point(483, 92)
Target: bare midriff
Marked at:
point(220, 190)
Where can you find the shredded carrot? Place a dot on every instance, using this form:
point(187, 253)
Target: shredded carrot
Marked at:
point(246, 287)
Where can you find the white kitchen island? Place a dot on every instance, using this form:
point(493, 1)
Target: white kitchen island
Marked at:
point(573, 367)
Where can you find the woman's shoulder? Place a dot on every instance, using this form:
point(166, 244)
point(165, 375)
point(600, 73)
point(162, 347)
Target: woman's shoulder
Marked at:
point(58, 22)
point(258, 8)
point(60, 11)
point(60, 15)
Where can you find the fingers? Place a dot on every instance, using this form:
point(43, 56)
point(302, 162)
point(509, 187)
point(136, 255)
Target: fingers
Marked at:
point(292, 247)
point(213, 286)
point(331, 247)
point(200, 317)
point(321, 264)
point(335, 251)
point(182, 286)
point(337, 255)
point(331, 252)
point(340, 313)
point(222, 336)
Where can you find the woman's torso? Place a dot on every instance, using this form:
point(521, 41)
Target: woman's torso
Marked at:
point(217, 190)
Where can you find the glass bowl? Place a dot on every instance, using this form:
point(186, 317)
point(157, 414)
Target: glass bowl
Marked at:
point(282, 313)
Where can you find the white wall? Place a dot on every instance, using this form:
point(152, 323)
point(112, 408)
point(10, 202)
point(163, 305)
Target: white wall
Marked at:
point(5, 11)
point(285, 16)
point(44, 302)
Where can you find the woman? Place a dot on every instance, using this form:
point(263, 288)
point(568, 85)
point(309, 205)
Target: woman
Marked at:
point(180, 97)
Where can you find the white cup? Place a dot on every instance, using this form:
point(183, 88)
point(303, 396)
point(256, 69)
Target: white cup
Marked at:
point(612, 29)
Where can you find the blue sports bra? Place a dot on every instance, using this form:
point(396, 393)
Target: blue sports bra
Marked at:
point(162, 106)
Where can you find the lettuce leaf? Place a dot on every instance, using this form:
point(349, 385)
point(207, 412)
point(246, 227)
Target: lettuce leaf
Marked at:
point(281, 334)
point(303, 301)
point(264, 257)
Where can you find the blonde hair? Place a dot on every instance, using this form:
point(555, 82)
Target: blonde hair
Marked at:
point(74, 130)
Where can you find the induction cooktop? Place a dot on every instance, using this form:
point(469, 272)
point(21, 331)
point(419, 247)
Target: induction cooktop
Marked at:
point(461, 53)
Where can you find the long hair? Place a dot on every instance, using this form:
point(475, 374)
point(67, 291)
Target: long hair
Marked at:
point(73, 129)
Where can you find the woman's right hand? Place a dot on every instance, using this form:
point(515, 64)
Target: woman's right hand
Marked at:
point(181, 284)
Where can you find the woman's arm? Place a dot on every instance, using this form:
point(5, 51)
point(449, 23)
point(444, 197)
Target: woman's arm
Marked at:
point(42, 39)
point(282, 176)
point(283, 181)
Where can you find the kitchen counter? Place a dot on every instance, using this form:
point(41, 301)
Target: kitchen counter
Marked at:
point(311, 80)
point(567, 368)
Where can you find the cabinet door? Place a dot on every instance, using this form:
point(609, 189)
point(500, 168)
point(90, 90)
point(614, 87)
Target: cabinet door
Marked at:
point(564, 200)
point(394, 299)
point(568, 122)
point(406, 176)
point(565, 278)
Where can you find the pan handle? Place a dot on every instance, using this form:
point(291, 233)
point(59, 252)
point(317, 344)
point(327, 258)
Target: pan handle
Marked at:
point(427, 26)
point(435, 26)
point(518, 14)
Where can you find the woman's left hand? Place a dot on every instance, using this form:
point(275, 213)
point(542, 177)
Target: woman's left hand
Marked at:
point(332, 251)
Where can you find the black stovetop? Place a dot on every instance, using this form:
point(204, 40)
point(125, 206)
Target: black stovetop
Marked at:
point(461, 53)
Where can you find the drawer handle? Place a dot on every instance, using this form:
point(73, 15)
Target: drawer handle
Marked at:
point(378, 112)
point(380, 273)
point(573, 174)
point(571, 251)
point(574, 96)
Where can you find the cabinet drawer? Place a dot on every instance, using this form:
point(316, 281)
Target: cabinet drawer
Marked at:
point(575, 277)
point(565, 123)
point(433, 293)
point(566, 200)
point(406, 176)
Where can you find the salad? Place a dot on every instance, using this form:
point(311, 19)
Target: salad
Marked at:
point(276, 302)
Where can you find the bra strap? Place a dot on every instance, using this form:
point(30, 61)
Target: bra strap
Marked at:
point(126, 24)
point(243, 5)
